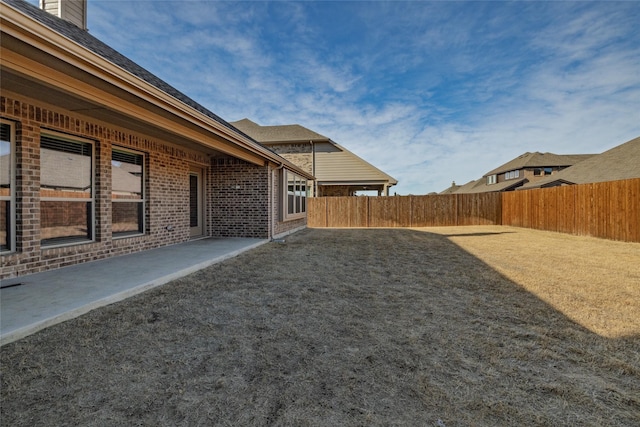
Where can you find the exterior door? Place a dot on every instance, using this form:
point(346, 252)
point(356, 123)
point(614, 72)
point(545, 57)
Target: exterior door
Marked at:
point(195, 202)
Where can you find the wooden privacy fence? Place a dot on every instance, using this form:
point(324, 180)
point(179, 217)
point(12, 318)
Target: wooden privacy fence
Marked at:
point(404, 211)
point(608, 210)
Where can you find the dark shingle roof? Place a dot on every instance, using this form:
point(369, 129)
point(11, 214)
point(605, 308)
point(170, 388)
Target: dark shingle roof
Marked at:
point(620, 162)
point(537, 159)
point(91, 43)
point(281, 133)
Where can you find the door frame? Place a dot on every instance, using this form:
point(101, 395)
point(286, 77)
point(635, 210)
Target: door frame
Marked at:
point(198, 230)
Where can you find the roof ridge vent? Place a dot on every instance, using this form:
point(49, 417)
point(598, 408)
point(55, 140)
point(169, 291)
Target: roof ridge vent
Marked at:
point(74, 11)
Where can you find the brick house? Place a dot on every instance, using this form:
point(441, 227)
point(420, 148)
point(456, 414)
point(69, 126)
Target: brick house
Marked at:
point(338, 171)
point(526, 168)
point(618, 163)
point(99, 157)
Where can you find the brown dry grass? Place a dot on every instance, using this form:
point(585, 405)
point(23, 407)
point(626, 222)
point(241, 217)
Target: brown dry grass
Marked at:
point(345, 327)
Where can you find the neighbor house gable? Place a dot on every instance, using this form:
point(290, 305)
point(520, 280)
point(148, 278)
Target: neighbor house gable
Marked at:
point(516, 173)
point(338, 171)
point(620, 162)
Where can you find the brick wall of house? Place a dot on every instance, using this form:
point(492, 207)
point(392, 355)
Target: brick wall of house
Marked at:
point(334, 191)
point(237, 192)
point(299, 154)
point(166, 188)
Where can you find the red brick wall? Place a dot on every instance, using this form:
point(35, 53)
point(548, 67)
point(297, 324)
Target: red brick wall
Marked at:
point(241, 199)
point(239, 204)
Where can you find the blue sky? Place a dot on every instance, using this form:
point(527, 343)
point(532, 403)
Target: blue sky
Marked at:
point(429, 92)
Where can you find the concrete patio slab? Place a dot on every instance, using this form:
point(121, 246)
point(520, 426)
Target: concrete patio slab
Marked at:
point(33, 302)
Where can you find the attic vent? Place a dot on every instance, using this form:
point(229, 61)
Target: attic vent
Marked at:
point(74, 11)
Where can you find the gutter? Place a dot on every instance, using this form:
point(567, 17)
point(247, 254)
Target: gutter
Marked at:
point(31, 31)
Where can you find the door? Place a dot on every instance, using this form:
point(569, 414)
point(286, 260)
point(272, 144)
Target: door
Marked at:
point(195, 202)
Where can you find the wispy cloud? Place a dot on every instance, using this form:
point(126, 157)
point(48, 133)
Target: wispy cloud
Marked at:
point(429, 92)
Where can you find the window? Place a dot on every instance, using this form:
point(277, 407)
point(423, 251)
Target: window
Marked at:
point(491, 179)
point(66, 190)
point(127, 192)
point(512, 174)
point(296, 195)
point(7, 186)
point(547, 171)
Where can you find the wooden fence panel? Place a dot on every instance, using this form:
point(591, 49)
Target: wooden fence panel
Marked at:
point(433, 211)
point(633, 207)
point(607, 210)
point(383, 212)
point(340, 211)
point(479, 209)
point(317, 211)
point(566, 212)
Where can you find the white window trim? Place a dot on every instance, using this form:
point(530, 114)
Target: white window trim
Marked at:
point(285, 199)
point(144, 194)
point(492, 179)
point(11, 241)
point(92, 225)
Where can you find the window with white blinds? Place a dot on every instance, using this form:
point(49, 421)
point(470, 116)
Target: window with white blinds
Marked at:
point(7, 186)
point(66, 190)
point(127, 192)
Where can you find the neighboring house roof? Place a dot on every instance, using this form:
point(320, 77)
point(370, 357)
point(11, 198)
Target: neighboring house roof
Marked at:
point(334, 164)
point(537, 159)
point(278, 134)
point(620, 162)
point(59, 170)
point(126, 178)
point(77, 46)
point(454, 187)
point(341, 166)
point(524, 161)
point(480, 186)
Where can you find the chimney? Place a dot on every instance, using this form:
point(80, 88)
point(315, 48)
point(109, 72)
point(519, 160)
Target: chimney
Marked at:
point(74, 11)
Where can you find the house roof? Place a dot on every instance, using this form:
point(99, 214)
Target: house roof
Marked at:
point(79, 48)
point(278, 134)
point(620, 162)
point(88, 41)
point(537, 159)
point(481, 186)
point(335, 165)
point(341, 166)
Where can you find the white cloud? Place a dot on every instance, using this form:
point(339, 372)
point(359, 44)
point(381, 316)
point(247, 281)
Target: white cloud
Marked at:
point(429, 92)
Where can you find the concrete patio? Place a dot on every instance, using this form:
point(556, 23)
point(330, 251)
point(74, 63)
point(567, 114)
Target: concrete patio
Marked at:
point(33, 302)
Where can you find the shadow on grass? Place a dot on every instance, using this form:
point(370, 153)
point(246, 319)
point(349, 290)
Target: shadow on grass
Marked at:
point(333, 327)
point(476, 234)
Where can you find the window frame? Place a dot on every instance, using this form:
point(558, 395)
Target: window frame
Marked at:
point(300, 194)
point(11, 198)
point(142, 226)
point(91, 225)
point(512, 174)
point(492, 179)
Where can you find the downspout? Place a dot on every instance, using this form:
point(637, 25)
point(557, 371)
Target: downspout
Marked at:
point(313, 169)
point(274, 177)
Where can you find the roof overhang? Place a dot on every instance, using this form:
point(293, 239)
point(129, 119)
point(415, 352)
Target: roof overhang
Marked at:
point(40, 63)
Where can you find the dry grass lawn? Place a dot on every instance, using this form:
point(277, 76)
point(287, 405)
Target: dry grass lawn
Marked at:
point(451, 326)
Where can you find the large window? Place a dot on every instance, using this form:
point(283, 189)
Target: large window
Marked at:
point(127, 194)
point(66, 190)
point(7, 186)
point(296, 199)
